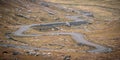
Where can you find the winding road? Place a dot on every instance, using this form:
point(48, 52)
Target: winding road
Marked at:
point(79, 38)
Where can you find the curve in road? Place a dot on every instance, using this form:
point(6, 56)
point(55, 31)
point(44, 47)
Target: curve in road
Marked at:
point(79, 38)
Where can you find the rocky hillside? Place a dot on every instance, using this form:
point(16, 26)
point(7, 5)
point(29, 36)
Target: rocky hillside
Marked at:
point(103, 29)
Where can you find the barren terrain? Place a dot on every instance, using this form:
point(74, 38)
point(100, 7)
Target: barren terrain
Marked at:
point(59, 30)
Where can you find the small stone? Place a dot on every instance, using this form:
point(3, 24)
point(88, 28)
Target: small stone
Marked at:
point(61, 29)
point(68, 24)
point(88, 14)
point(49, 53)
point(67, 58)
point(45, 4)
point(15, 53)
point(33, 53)
point(52, 29)
point(29, 11)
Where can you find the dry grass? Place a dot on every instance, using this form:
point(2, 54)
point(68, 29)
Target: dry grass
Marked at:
point(104, 30)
